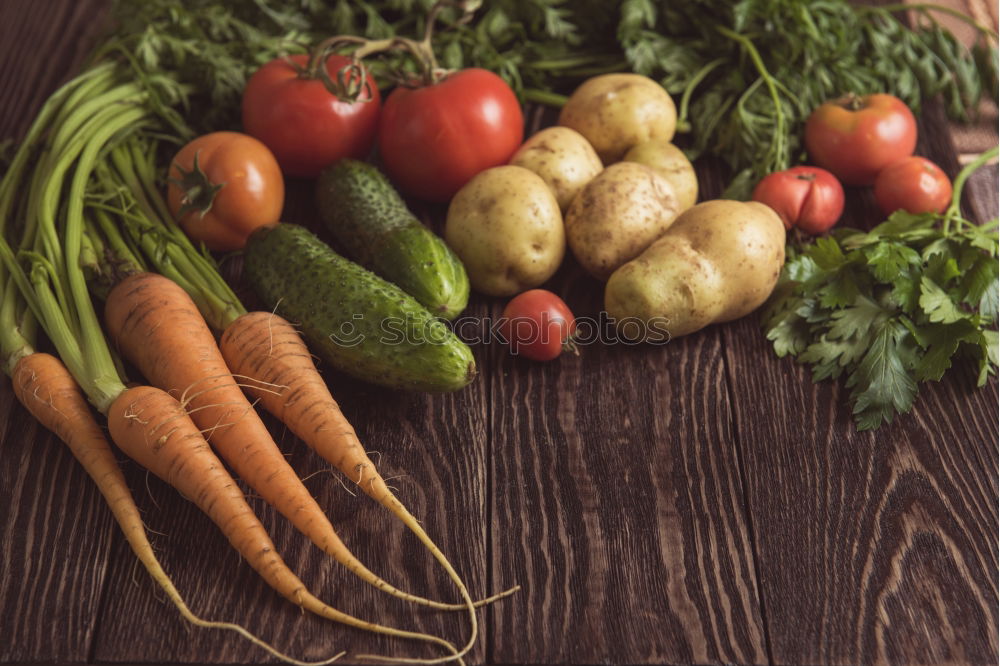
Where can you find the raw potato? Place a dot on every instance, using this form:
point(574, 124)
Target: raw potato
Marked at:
point(563, 158)
point(670, 162)
point(719, 261)
point(617, 215)
point(617, 111)
point(506, 227)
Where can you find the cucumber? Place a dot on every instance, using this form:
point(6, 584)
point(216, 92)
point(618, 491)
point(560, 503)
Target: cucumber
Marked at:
point(356, 321)
point(367, 217)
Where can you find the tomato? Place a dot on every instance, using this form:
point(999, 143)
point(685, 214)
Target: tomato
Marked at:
point(856, 137)
point(914, 184)
point(222, 186)
point(306, 125)
point(537, 324)
point(805, 197)
point(434, 139)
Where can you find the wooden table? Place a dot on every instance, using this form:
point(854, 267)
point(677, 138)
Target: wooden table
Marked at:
point(700, 502)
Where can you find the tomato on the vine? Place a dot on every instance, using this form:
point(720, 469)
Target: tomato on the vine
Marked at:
point(434, 138)
point(304, 123)
point(914, 184)
point(537, 324)
point(804, 197)
point(222, 186)
point(856, 137)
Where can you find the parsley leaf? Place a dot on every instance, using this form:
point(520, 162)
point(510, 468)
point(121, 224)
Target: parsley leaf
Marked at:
point(881, 384)
point(891, 307)
point(937, 304)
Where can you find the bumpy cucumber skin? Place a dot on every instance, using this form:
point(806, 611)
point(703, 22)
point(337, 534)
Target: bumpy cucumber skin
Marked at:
point(331, 297)
point(367, 217)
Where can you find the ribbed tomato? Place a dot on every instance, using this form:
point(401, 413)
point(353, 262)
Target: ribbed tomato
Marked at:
point(804, 197)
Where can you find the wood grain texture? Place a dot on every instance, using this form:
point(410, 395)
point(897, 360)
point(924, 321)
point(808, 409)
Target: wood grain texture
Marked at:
point(699, 502)
point(873, 547)
point(636, 549)
point(51, 513)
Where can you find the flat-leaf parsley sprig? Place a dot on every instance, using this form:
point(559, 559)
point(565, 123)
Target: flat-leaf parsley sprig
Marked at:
point(891, 307)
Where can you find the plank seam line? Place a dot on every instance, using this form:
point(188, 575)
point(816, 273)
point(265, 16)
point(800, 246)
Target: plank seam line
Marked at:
point(489, 469)
point(748, 514)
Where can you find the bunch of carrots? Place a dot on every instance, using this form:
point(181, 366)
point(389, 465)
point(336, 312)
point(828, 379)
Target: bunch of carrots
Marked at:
point(82, 220)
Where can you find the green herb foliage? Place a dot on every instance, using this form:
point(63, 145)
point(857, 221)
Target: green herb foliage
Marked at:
point(746, 73)
point(749, 72)
point(891, 307)
point(196, 55)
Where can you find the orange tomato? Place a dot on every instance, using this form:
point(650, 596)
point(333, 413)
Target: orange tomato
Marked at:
point(223, 186)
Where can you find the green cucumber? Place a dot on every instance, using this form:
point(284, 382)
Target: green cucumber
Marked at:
point(364, 213)
point(353, 319)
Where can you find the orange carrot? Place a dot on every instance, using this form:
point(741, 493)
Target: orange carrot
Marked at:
point(47, 389)
point(267, 349)
point(159, 329)
point(153, 429)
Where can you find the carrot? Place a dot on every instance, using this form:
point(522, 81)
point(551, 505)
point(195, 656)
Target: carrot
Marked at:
point(267, 349)
point(154, 429)
point(46, 388)
point(160, 242)
point(159, 328)
point(48, 275)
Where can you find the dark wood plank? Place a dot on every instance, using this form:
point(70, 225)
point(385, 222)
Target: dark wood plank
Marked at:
point(55, 531)
point(618, 504)
point(55, 538)
point(60, 34)
point(879, 546)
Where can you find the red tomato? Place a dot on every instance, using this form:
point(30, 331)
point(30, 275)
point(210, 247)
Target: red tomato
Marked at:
point(914, 184)
point(856, 137)
point(304, 124)
point(222, 186)
point(538, 324)
point(805, 197)
point(434, 139)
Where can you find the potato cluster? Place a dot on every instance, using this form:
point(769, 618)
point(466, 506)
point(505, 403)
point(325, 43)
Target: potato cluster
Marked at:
point(608, 182)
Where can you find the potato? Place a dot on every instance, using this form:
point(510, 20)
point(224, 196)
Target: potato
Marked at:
point(563, 158)
point(719, 261)
point(506, 227)
point(617, 111)
point(670, 162)
point(617, 215)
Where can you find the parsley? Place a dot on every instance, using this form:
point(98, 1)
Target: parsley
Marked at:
point(891, 307)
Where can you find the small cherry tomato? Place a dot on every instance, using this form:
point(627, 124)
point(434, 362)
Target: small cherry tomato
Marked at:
point(856, 137)
point(805, 197)
point(914, 184)
point(222, 186)
point(537, 324)
point(307, 126)
point(433, 139)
